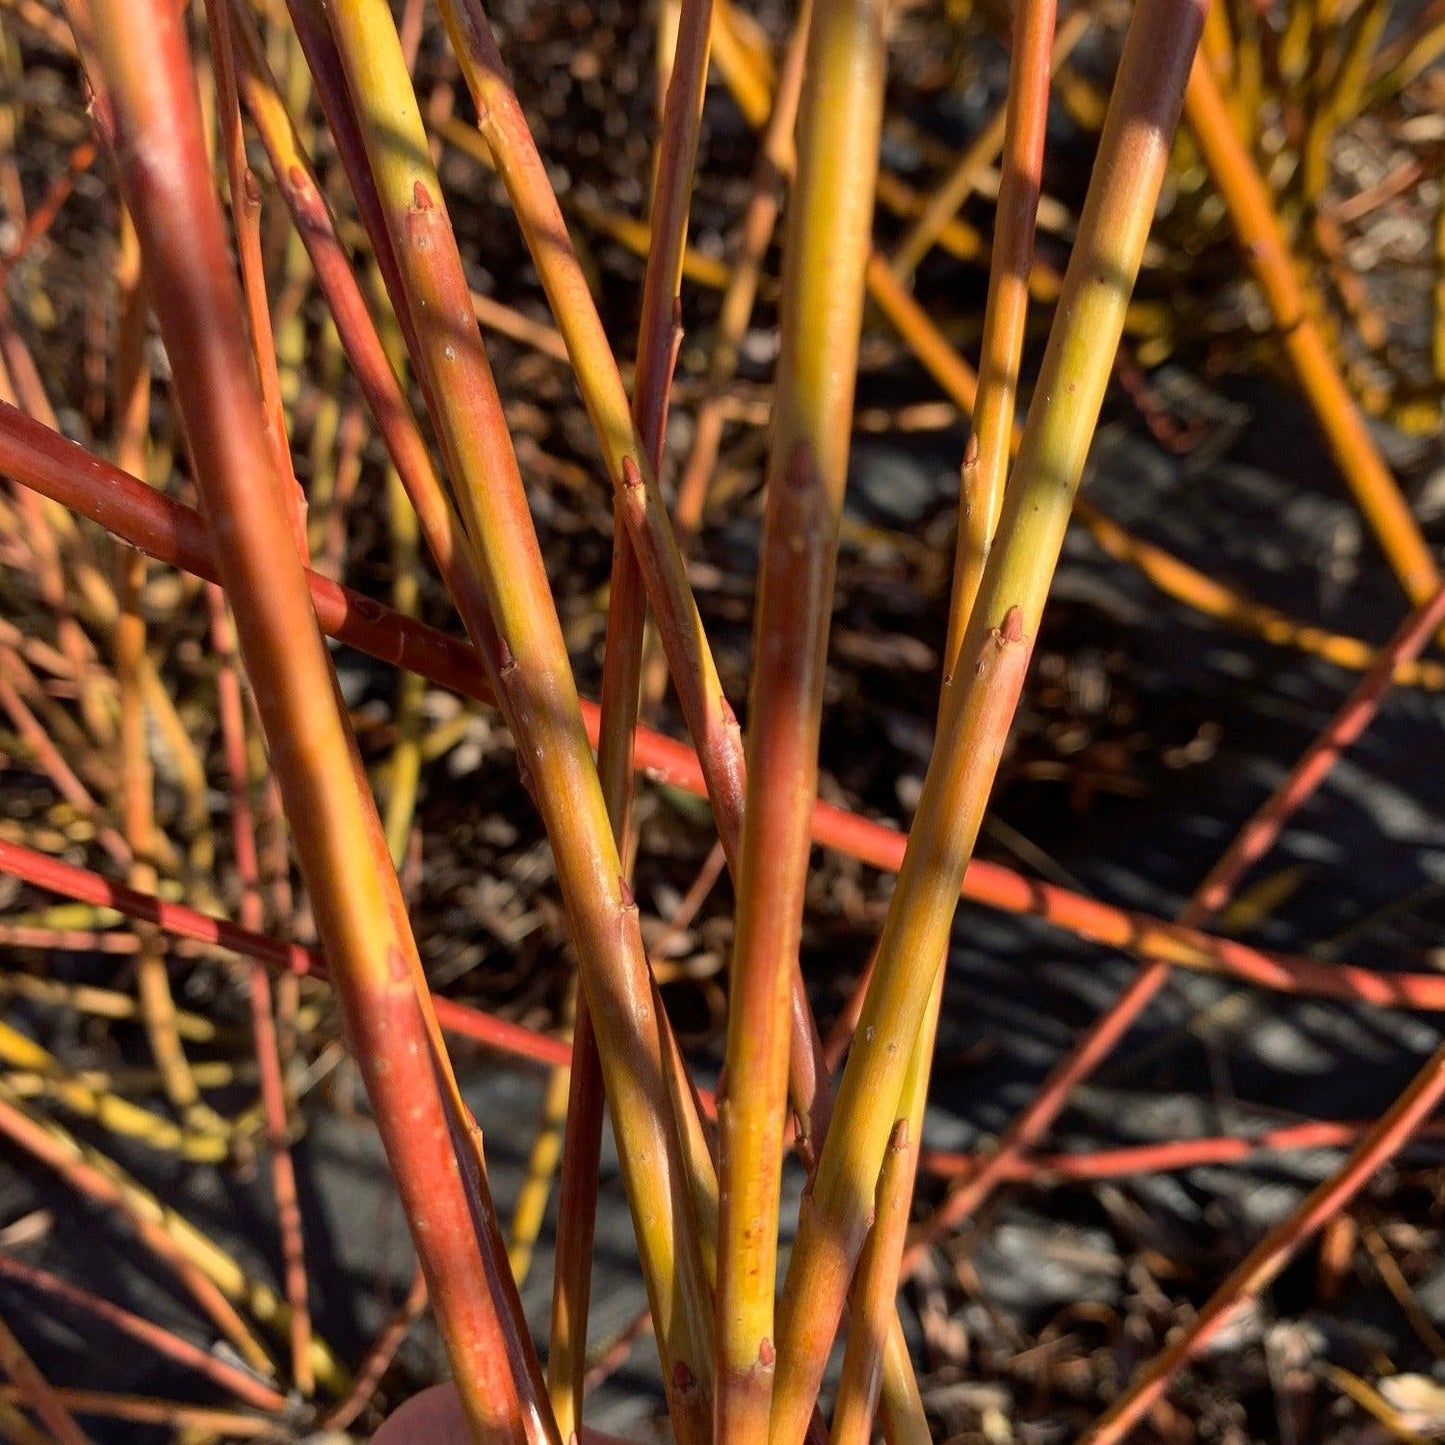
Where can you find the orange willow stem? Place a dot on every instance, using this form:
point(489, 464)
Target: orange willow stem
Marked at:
point(672, 194)
point(981, 696)
point(775, 165)
point(160, 153)
point(913, 324)
point(798, 553)
point(659, 335)
point(37, 1392)
point(1264, 1262)
point(1113, 927)
point(536, 689)
point(1268, 252)
point(172, 532)
point(829, 224)
point(246, 222)
point(1251, 843)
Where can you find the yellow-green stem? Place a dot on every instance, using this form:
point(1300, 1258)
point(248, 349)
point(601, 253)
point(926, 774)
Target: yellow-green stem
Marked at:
point(981, 499)
point(873, 1299)
point(982, 693)
point(829, 228)
point(534, 683)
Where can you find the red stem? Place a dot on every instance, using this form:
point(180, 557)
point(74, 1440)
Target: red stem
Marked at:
point(183, 922)
point(263, 1023)
point(379, 1356)
point(1162, 1157)
point(243, 1386)
point(1251, 843)
point(37, 1392)
point(172, 532)
point(1264, 1262)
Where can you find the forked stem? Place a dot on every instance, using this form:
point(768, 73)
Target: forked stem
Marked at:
point(982, 694)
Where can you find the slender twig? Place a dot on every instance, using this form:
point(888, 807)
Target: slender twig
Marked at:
point(246, 225)
point(37, 1391)
point(576, 1226)
point(231, 709)
point(775, 164)
point(959, 184)
point(1165, 1156)
point(42, 215)
point(622, 669)
point(108, 1109)
point(173, 1347)
point(1005, 313)
point(360, 338)
point(1205, 594)
point(183, 922)
point(167, 1414)
point(379, 1356)
point(1264, 1262)
point(873, 1303)
point(132, 398)
point(1250, 844)
point(61, 774)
